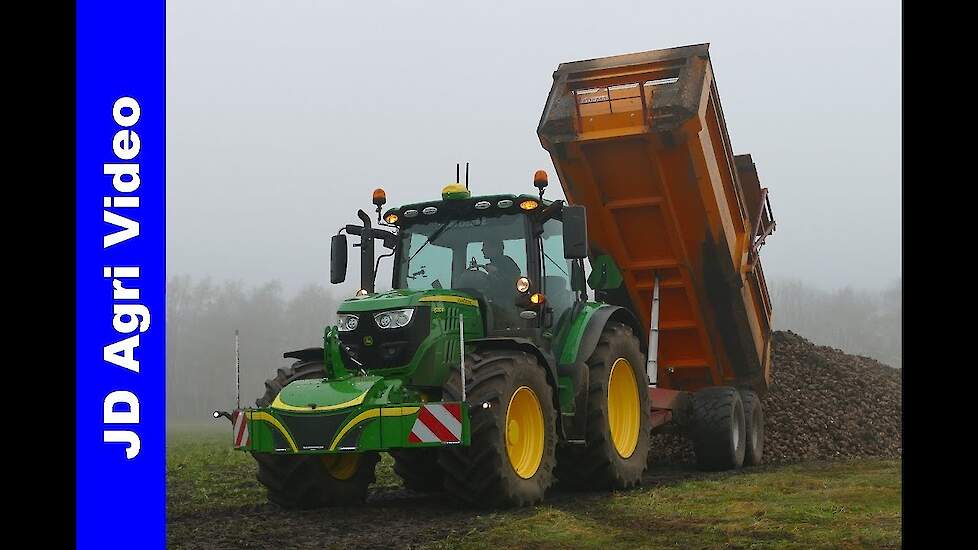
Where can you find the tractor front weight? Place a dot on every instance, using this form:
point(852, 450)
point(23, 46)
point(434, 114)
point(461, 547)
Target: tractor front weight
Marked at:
point(360, 429)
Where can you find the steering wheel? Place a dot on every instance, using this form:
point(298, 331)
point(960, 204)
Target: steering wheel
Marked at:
point(477, 267)
point(473, 276)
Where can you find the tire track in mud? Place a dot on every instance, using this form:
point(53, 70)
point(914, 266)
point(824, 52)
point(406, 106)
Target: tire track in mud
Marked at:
point(392, 517)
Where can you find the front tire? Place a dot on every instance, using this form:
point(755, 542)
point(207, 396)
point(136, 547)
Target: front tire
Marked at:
point(419, 469)
point(618, 418)
point(511, 457)
point(311, 481)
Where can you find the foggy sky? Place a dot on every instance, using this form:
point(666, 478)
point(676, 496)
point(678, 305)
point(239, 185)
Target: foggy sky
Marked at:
point(283, 116)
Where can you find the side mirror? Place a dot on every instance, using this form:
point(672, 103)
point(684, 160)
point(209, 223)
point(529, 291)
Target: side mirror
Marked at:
point(575, 233)
point(337, 259)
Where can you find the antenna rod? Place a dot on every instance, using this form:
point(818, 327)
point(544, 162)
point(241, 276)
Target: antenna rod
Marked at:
point(237, 372)
point(461, 350)
point(466, 175)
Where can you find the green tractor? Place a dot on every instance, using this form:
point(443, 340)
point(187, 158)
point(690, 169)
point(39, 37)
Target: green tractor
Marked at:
point(485, 371)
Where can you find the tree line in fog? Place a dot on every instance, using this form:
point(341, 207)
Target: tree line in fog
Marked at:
point(202, 315)
point(855, 321)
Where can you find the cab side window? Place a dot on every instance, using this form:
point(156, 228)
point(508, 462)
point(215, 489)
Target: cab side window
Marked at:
point(556, 269)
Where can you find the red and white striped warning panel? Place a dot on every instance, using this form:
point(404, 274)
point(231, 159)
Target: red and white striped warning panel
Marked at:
point(438, 423)
point(240, 424)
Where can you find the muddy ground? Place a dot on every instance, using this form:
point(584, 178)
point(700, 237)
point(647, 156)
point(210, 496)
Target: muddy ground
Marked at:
point(823, 405)
point(393, 517)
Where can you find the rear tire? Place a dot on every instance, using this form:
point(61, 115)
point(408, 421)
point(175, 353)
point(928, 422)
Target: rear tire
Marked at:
point(520, 422)
point(419, 469)
point(719, 429)
point(311, 481)
point(612, 458)
point(754, 422)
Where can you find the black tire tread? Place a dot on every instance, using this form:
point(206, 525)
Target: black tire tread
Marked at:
point(419, 469)
point(480, 475)
point(753, 456)
point(713, 410)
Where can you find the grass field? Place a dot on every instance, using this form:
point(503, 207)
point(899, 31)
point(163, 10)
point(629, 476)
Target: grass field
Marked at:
point(853, 504)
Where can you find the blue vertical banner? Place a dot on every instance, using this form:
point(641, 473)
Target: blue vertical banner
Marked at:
point(120, 274)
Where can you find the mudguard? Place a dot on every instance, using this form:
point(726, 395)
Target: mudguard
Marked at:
point(596, 324)
point(577, 344)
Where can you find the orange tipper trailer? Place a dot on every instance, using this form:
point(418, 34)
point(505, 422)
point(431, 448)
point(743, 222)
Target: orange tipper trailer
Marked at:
point(677, 218)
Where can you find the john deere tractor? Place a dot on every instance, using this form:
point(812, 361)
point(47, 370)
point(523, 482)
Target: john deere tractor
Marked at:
point(485, 371)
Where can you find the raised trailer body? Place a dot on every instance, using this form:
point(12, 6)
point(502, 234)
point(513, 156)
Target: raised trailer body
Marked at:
point(641, 142)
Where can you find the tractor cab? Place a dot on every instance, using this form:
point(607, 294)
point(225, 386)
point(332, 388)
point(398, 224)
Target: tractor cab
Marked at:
point(506, 251)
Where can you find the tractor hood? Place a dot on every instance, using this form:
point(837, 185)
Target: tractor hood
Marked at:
point(320, 395)
point(400, 298)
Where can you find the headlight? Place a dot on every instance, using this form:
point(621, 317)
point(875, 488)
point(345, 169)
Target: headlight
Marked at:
point(394, 319)
point(346, 322)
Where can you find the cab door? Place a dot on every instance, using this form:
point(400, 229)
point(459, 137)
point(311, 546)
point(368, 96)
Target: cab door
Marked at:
point(555, 274)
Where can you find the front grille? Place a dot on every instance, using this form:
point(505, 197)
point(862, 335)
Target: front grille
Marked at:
point(379, 348)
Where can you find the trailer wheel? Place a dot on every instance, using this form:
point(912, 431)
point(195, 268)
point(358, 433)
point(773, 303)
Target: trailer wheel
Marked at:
point(419, 469)
point(754, 424)
point(618, 418)
point(311, 481)
point(719, 430)
point(511, 457)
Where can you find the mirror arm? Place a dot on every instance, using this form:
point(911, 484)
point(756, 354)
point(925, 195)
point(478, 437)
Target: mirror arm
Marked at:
point(550, 212)
point(578, 280)
point(366, 253)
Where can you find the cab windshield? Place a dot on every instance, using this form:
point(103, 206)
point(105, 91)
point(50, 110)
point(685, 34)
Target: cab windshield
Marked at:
point(484, 254)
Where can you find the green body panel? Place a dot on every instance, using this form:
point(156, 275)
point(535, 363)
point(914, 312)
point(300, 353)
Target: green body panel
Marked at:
point(569, 338)
point(319, 394)
point(565, 393)
point(332, 355)
point(605, 274)
point(392, 299)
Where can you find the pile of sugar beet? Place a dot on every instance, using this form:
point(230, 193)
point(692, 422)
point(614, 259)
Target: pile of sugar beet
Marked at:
point(822, 404)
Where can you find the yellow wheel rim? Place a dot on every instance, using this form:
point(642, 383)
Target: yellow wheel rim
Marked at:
point(524, 432)
point(624, 417)
point(341, 466)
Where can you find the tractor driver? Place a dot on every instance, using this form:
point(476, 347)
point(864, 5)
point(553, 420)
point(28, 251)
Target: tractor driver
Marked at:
point(502, 273)
point(502, 269)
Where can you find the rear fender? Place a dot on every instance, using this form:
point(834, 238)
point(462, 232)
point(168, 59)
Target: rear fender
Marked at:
point(595, 326)
point(577, 345)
